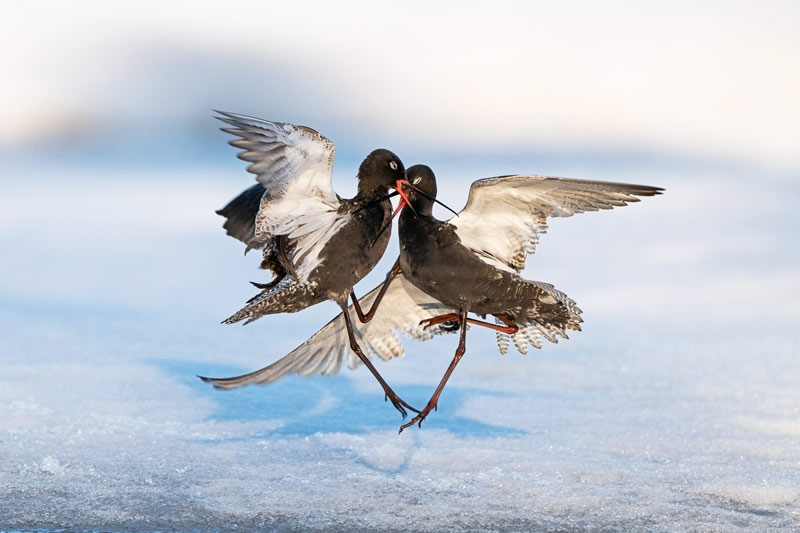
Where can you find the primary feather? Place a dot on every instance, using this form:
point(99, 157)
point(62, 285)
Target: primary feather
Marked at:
point(505, 216)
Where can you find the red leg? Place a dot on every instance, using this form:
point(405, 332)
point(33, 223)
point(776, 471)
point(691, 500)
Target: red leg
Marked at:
point(509, 327)
point(430, 322)
point(434, 401)
point(504, 319)
point(451, 317)
point(368, 316)
point(390, 394)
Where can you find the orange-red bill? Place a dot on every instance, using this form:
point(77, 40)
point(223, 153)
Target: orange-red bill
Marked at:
point(403, 198)
point(400, 206)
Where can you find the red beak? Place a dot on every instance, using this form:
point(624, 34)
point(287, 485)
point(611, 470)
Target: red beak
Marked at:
point(403, 198)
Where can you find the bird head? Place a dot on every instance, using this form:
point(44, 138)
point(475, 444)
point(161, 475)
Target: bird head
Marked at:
point(418, 190)
point(379, 172)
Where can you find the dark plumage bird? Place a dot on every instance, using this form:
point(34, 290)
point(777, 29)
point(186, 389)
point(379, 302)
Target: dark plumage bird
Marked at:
point(472, 262)
point(317, 244)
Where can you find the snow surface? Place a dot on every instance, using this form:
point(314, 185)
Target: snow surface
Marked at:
point(677, 407)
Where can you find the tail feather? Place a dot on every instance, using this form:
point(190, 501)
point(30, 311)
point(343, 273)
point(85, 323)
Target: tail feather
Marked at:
point(502, 338)
point(288, 296)
point(549, 316)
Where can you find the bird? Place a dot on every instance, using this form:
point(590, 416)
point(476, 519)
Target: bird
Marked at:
point(472, 262)
point(503, 220)
point(317, 244)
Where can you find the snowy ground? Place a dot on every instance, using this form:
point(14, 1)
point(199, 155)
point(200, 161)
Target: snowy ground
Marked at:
point(677, 408)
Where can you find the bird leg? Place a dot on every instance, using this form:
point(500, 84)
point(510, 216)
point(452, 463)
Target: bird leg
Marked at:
point(433, 402)
point(389, 393)
point(452, 317)
point(510, 327)
point(364, 318)
point(433, 321)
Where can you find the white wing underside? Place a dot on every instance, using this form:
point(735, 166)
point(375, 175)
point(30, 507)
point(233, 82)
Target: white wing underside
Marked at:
point(401, 310)
point(308, 221)
point(294, 165)
point(504, 217)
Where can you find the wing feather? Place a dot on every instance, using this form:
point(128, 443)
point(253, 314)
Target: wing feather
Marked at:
point(282, 152)
point(293, 164)
point(402, 308)
point(505, 216)
point(240, 214)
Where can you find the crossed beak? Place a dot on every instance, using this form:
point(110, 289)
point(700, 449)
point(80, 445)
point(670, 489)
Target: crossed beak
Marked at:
point(403, 197)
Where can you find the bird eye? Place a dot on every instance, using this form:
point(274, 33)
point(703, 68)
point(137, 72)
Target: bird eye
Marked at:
point(417, 180)
point(393, 165)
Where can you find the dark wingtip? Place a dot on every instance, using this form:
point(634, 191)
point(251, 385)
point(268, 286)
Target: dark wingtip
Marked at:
point(214, 382)
point(649, 190)
point(223, 117)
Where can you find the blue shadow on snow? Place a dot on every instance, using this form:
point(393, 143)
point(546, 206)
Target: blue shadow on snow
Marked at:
point(328, 404)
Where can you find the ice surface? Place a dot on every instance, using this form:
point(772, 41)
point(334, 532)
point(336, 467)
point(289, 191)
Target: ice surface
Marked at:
point(677, 407)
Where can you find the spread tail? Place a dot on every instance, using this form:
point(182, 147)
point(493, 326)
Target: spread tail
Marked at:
point(550, 316)
point(288, 296)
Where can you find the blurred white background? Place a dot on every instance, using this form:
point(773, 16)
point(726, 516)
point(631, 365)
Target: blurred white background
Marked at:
point(708, 79)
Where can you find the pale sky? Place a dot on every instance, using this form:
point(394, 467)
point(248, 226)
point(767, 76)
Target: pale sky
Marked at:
point(708, 79)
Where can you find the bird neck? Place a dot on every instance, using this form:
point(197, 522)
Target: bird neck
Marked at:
point(423, 207)
point(408, 216)
point(370, 191)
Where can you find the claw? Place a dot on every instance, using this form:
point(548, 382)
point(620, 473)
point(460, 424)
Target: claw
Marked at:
point(416, 420)
point(421, 415)
point(399, 404)
point(403, 412)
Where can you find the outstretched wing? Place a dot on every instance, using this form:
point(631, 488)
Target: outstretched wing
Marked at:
point(284, 157)
point(505, 216)
point(293, 164)
point(402, 308)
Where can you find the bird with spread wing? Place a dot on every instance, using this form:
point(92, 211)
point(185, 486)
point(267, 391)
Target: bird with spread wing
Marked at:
point(472, 263)
point(317, 244)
